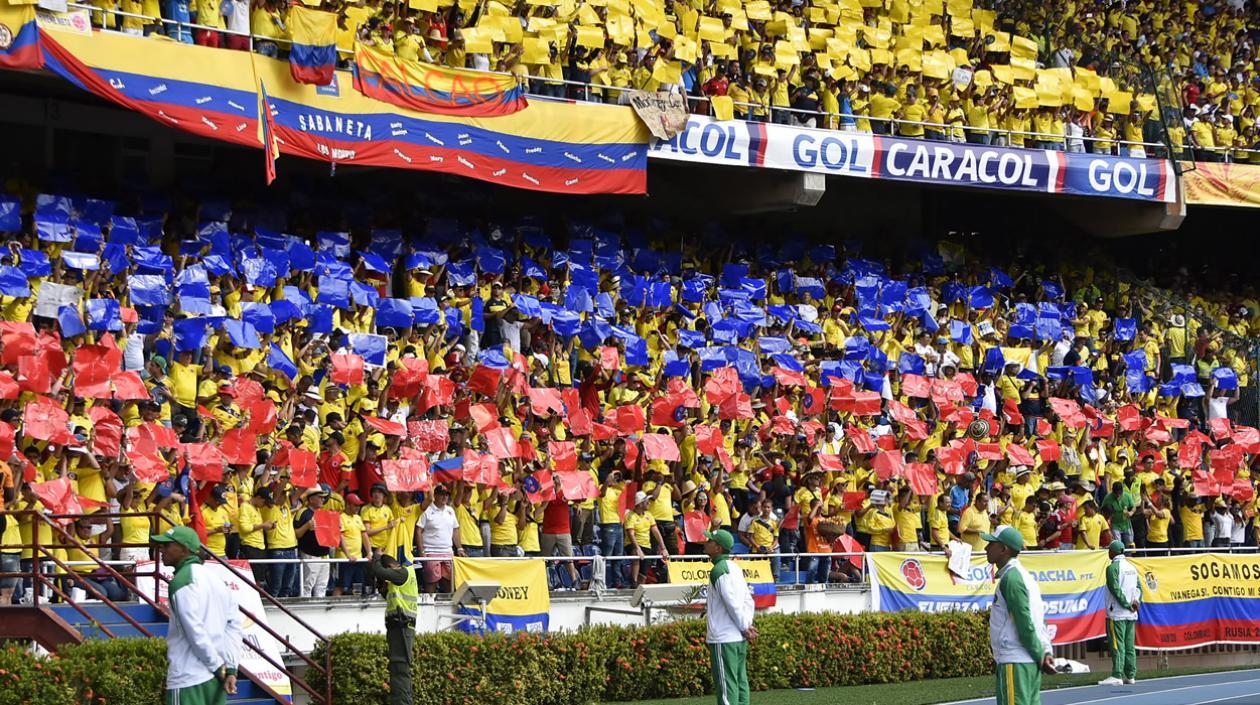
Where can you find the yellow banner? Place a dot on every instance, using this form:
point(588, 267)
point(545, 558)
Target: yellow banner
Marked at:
point(1072, 586)
point(522, 602)
point(1212, 184)
point(1194, 600)
point(696, 572)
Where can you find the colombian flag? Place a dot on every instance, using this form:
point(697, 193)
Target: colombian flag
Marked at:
point(522, 603)
point(761, 582)
point(313, 58)
point(267, 133)
point(19, 38)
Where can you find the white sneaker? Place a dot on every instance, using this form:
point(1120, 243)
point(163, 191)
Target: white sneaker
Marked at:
point(1130, 681)
point(1111, 680)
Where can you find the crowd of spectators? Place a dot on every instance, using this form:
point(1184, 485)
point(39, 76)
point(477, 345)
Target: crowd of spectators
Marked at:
point(1059, 75)
point(549, 386)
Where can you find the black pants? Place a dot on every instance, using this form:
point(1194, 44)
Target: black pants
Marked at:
point(260, 569)
point(400, 634)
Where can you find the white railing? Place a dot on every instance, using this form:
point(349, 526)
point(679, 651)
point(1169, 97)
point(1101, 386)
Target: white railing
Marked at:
point(587, 92)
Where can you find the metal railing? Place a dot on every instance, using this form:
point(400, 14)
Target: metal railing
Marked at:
point(44, 581)
point(799, 562)
point(580, 91)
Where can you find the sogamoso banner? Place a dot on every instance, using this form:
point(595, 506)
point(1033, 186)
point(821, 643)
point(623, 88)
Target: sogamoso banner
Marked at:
point(1072, 588)
point(522, 603)
point(1198, 599)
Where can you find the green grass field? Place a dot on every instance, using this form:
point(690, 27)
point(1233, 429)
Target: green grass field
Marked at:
point(918, 692)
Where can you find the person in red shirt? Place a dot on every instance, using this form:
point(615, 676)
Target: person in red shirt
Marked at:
point(335, 470)
point(718, 85)
point(555, 537)
point(367, 472)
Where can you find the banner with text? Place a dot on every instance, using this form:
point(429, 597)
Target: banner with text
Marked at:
point(1073, 586)
point(1200, 599)
point(771, 146)
point(213, 93)
point(522, 603)
point(757, 572)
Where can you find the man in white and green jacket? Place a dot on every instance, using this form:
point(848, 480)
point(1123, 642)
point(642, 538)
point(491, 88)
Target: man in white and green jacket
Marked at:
point(204, 638)
point(1017, 624)
point(1124, 593)
point(730, 618)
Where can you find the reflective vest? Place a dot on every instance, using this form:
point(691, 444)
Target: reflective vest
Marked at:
point(402, 599)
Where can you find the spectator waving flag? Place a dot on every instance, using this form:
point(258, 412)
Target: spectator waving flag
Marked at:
point(313, 58)
point(21, 51)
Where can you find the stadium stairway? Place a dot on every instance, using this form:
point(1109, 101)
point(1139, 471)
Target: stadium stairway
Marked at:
point(57, 617)
point(65, 623)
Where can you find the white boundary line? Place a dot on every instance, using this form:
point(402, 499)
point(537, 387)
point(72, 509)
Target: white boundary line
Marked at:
point(1223, 700)
point(1145, 692)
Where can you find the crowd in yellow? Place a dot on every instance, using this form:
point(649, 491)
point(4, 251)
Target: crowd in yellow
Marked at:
point(1076, 76)
point(512, 390)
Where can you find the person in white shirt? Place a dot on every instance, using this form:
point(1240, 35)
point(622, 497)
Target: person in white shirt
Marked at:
point(1222, 525)
point(730, 620)
point(437, 535)
point(204, 640)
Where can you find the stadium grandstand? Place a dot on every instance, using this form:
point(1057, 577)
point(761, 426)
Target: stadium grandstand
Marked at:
point(534, 295)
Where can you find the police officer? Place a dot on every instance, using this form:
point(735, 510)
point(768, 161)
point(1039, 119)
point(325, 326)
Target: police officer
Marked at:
point(402, 592)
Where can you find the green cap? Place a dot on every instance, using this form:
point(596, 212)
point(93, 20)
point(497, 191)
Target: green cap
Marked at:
point(722, 538)
point(1116, 546)
point(1008, 536)
point(181, 535)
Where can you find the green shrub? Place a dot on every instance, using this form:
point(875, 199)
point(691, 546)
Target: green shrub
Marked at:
point(27, 679)
point(599, 664)
point(117, 671)
point(606, 664)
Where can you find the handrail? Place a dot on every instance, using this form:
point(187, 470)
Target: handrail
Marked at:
point(320, 638)
point(586, 88)
point(41, 553)
point(37, 569)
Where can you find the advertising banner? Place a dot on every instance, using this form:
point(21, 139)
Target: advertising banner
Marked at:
point(1072, 586)
point(1213, 184)
point(1198, 599)
point(951, 164)
point(856, 154)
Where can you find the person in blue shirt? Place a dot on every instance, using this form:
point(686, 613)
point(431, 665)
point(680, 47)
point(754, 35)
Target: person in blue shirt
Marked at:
point(177, 18)
point(959, 498)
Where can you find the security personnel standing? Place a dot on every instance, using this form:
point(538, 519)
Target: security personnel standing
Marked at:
point(402, 592)
point(1124, 593)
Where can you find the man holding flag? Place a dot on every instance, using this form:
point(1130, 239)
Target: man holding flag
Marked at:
point(1017, 624)
point(1124, 592)
point(730, 618)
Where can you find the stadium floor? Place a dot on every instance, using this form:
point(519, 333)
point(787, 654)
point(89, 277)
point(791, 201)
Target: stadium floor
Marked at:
point(1225, 688)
